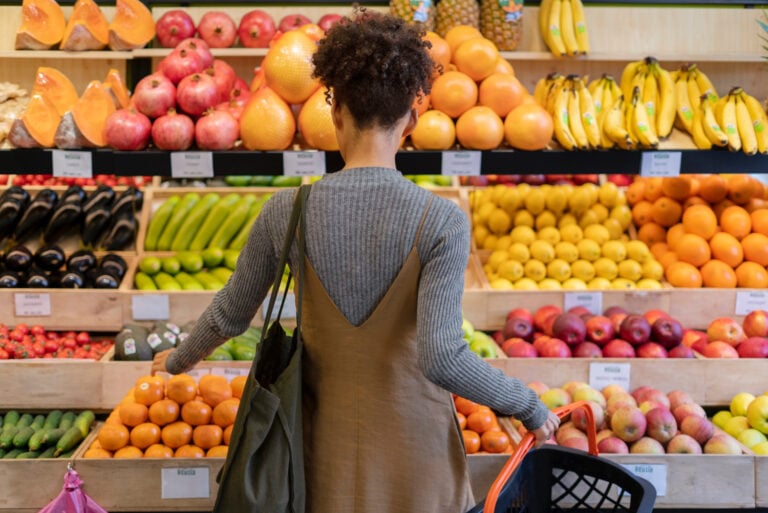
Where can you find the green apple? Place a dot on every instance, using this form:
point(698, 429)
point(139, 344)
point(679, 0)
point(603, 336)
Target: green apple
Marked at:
point(740, 402)
point(736, 425)
point(760, 449)
point(720, 418)
point(467, 329)
point(555, 397)
point(757, 413)
point(751, 437)
point(483, 345)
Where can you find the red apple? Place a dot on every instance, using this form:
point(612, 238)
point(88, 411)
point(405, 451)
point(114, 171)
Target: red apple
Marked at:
point(599, 329)
point(699, 428)
point(635, 329)
point(575, 442)
point(518, 348)
point(612, 388)
point(256, 29)
point(579, 310)
point(218, 29)
point(681, 351)
point(620, 180)
point(539, 341)
point(520, 313)
point(755, 323)
point(579, 417)
point(646, 445)
point(538, 386)
point(722, 443)
point(647, 393)
point(518, 327)
point(615, 309)
point(555, 397)
point(569, 328)
point(667, 331)
point(725, 329)
point(328, 20)
point(628, 423)
point(555, 348)
point(544, 313)
point(753, 347)
point(587, 349)
point(612, 445)
point(694, 337)
point(617, 318)
point(653, 314)
point(618, 348)
point(683, 444)
point(567, 430)
point(661, 424)
point(678, 398)
point(618, 400)
point(687, 410)
point(651, 350)
point(292, 21)
point(719, 349)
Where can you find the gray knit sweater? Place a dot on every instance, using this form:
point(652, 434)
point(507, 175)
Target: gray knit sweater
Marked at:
point(361, 224)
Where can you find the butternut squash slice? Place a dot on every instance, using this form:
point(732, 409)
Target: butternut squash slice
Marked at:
point(87, 28)
point(132, 27)
point(83, 126)
point(56, 87)
point(115, 85)
point(37, 127)
point(42, 25)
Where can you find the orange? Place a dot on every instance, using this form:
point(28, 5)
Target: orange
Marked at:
point(421, 103)
point(693, 249)
point(238, 384)
point(148, 390)
point(112, 437)
point(288, 66)
point(742, 188)
point(720, 206)
point(678, 188)
point(127, 452)
point(465, 406)
point(674, 233)
point(756, 204)
point(726, 248)
point(476, 57)
point(181, 388)
point(158, 451)
point(666, 211)
point(480, 128)
point(133, 414)
point(642, 212)
point(220, 451)
point(667, 258)
point(658, 249)
point(652, 190)
point(755, 247)
point(736, 221)
point(462, 419)
point(313, 30)
point(225, 412)
point(228, 434)
point(440, 51)
point(114, 416)
point(454, 93)
point(164, 412)
point(434, 130)
point(651, 233)
point(759, 220)
point(751, 275)
point(144, 435)
point(214, 389)
point(528, 127)
point(713, 188)
point(316, 124)
point(504, 66)
point(96, 453)
point(176, 434)
point(501, 92)
point(494, 441)
point(700, 220)
point(267, 122)
point(207, 436)
point(458, 34)
point(481, 420)
point(693, 200)
point(471, 441)
point(196, 413)
point(683, 275)
point(636, 191)
point(189, 451)
point(718, 274)
point(96, 444)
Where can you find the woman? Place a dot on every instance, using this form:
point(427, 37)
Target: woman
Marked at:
point(383, 285)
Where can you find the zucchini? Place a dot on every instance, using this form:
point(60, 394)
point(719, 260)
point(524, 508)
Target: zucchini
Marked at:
point(193, 222)
point(232, 224)
point(158, 221)
point(217, 215)
point(180, 213)
point(69, 441)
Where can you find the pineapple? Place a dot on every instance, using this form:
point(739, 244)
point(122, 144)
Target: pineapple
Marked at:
point(414, 11)
point(501, 21)
point(451, 13)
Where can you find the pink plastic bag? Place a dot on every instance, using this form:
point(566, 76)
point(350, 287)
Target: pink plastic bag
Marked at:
point(72, 498)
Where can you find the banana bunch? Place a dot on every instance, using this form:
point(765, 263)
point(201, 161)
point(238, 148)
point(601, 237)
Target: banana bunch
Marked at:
point(609, 105)
point(563, 27)
point(691, 84)
point(650, 102)
point(743, 120)
point(572, 107)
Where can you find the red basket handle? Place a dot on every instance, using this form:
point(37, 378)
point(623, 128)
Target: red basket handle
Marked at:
point(526, 444)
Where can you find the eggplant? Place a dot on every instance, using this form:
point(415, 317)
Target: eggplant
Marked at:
point(36, 215)
point(11, 210)
point(102, 197)
point(105, 279)
point(94, 224)
point(17, 192)
point(18, 258)
point(65, 217)
point(114, 263)
point(80, 261)
point(72, 280)
point(36, 279)
point(10, 280)
point(121, 234)
point(49, 258)
point(125, 204)
point(74, 193)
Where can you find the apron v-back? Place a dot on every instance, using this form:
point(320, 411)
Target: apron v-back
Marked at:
point(378, 436)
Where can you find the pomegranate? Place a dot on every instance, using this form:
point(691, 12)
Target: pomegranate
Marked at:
point(292, 21)
point(217, 29)
point(224, 77)
point(198, 46)
point(173, 131)
point(217, 130)
point(240, 89)
point(328, 20)
point(233, 106)
point(196, 94)
point(127, 130)
point(154, 95)
point(179, 64)
point(256, 29)
point(173, 27)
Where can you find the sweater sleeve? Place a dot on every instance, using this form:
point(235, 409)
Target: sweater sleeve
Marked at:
point(443, 355)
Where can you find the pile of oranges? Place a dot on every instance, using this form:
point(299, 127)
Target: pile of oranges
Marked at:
point(175, 418)
point(705, 230)
point(480, 428)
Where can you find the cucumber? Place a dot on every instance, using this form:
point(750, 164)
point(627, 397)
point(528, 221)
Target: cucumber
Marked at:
point(193, 222)
point(238, 242)
point(66, 420)
point(209, 281)
point(22, 436)
point(182, 210)
point(2, 453)
point(11, 455)
point(187, 282)
point(25, 420)
point(84, 421)
point(69, 441)
point(36, 440)
point(48, 453)
point(53, 418)
point(158, 222)
point(51, 436)
point(215, 218)
point(143, 281)
point(232, 224)
point(38, 422)
point(29, 455)
point(6, 438)
point(11, 418)
point(166, 282)
point(221, 273)
point(67, 454)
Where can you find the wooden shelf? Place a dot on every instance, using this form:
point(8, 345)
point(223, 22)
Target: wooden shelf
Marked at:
point(60, 54)
point(625, 57)
point(217, 52)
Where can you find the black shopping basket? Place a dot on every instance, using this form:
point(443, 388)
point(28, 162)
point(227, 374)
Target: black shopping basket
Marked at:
point(555, 478)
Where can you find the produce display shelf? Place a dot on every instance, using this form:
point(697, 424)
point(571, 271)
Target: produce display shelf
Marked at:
point(761, 482)
point(627, 56)
point(28, 485)
point(63, 309)
point(61, 54)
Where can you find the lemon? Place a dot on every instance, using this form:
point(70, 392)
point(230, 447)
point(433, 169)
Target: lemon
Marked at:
point(638, 250)
point(526, 284)
point(601, 211)
point(606, 268)
point(583, 270)
point(592, 189)
point(542, 250)
point(497, 193)
point(511, 270)
point(502, 284)
point(549, 234)
point(587, 218)
point(598, 283)
point(597, 233)
point(488, 270)
point(503, 242)
point(630, 269)
point(559, 270)
point(545, 220)
point(557, 199)
point(608, 194)
point(653, 270)
point(614, 228)
point(648, 284)
point(510, 200)
point(535, 201)
point(484, 211)
point(622, 214)
point(523, 218)
point(499, 222)
point(567, 251)
point(588, 249)
point(523, 189)
point(535, 270)
point(490, 242)
point(519, 252)
point(571, 233)
point(523, 234)
point(623, 284)
point(615, 250)
point(580, 201)
point(549, 284)
point(574, 284)
point(567, 220)
point(497, 258)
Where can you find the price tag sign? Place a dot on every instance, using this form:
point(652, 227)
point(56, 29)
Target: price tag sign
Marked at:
point(655, 473)
point(230, 372)
point(303, 163)
point(198, 373)
point(185, 483)
point(32, 305)
point(592, 301)
point(602, 374)
point(72, 164)
point(192, 164)
point(749, 301)
point(151, 307)
point(461, 163)
point(660, 163)
point(289, 309)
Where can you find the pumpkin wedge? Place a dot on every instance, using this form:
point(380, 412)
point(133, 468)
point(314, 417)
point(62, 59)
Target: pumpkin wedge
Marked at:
point(36, 128)
point(132, 27)
point(115, 85)
point(42, 25)
point(56, 87)
point(87, 28)
point(83, 125)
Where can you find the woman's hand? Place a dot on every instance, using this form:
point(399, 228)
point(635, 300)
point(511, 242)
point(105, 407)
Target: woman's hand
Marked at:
point(546, 430)
point(158, 362)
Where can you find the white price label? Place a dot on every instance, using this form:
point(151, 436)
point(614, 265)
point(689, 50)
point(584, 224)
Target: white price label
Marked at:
point(654, 473)
point(197, 373)
point(72, 164)
point(192, 164)
point(303, 163)
point(461, 163)
point(289, 309)
point(602, 374)
point(151, 307)
point(32, 305)
point(660, 163)
point(749, 301)
point(230, 372)
point(185, 483)
point(592, 301)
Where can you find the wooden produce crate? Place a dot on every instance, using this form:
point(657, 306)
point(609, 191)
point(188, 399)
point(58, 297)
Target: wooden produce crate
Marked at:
point(26, 486)
point(761, 481)
point(50, 384)
point(63, 309)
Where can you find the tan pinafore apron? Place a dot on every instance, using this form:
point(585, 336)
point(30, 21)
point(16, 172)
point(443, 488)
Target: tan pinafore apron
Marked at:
point(378, 436)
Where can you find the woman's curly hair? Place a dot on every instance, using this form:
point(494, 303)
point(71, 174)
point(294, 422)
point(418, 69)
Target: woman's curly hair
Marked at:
point(376, 65)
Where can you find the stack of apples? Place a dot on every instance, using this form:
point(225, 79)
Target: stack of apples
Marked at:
point(726, 337)
point(746, 419)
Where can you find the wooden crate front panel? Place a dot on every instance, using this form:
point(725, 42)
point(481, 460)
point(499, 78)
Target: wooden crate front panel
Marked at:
point(87, 309)
point(50, 384)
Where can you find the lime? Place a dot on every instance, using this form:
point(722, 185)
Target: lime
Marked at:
point(150, 265)
point(190, 261)
point(230, 258)
point(212, 257)
point(170, 264)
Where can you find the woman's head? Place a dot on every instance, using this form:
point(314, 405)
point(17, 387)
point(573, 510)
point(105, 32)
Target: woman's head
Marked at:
point(375, 65)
